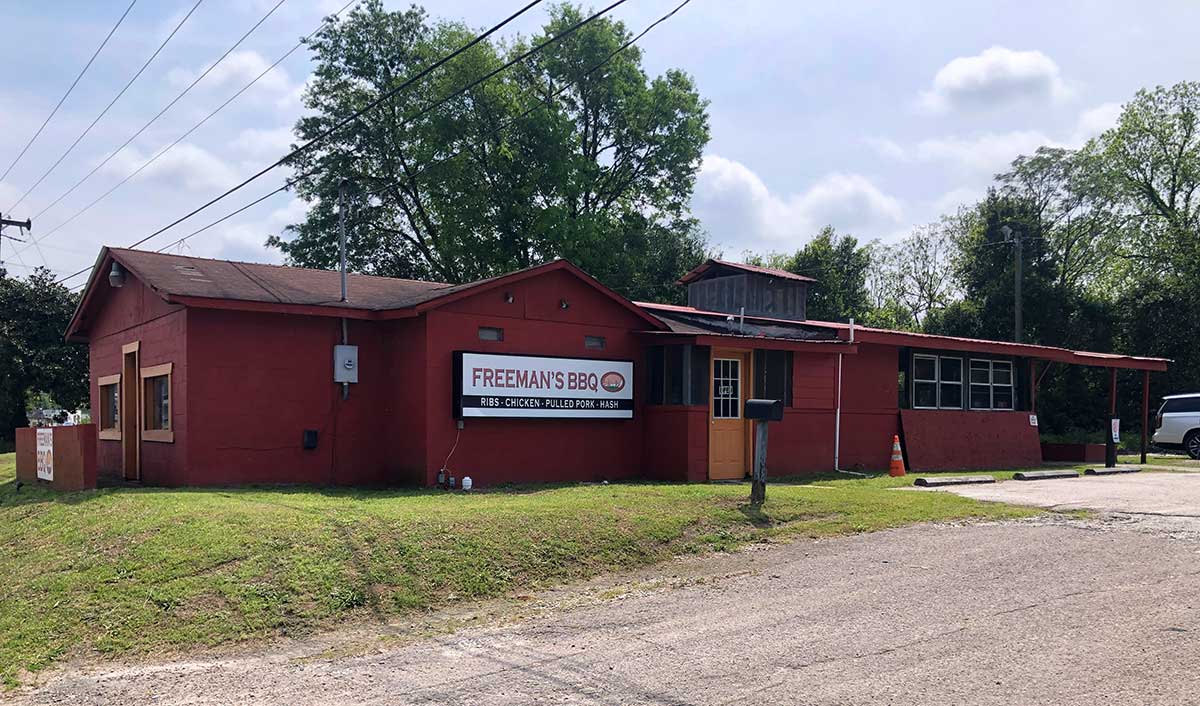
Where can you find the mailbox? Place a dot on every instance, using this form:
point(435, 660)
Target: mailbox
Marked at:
point(765, 410)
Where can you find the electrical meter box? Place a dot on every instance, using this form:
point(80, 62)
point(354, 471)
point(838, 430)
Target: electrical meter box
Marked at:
point(345, 363)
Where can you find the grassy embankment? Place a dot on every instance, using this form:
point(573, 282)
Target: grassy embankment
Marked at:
point(122, 571)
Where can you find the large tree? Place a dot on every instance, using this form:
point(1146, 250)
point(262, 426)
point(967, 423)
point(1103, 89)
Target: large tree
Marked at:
point(573, 153)
point(34, 313)
point(1151, 161)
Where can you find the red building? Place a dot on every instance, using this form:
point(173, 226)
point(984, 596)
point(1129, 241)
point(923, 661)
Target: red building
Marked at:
point(208, 372)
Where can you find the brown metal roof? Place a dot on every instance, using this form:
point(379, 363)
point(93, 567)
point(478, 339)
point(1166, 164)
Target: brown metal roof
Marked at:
point(716, 266)
point(183, 276)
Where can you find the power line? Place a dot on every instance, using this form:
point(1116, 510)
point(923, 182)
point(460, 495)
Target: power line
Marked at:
point(69, 90)
point(168, 106)
point(179, 139)
point(375, 103)
point(108, 107)
point(420, 170)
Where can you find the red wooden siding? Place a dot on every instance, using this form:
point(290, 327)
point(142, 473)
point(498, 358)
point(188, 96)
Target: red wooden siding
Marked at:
point(946, 440)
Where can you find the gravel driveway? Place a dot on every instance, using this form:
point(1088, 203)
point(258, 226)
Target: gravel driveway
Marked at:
point(1048, 611)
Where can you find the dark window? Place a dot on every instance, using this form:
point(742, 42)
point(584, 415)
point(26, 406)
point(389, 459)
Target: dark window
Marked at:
point(157, 402)
point(1181, 404)
point(675, 376)
point(950, 383)
point(654, 364)
point(491, 333)
point(700, 355)
point(773, 375)
point(110, 409)
point(991, 384)
point(925, 387)
point(594, 343)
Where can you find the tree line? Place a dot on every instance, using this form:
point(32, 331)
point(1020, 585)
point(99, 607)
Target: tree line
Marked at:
point(1110, 259)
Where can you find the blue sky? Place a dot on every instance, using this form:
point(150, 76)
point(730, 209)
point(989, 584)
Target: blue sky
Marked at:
point(869, 116)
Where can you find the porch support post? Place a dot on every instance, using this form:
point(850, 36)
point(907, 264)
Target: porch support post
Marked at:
point(1110, 444)
point(1145, 410)
point(1032, 386)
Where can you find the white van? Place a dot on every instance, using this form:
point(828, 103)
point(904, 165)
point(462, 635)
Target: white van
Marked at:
point(1177, 425)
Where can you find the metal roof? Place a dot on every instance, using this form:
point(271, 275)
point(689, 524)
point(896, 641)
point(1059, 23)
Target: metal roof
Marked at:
point(716, 266)
point(868, 334)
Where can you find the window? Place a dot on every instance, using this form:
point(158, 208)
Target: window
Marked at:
point(677, 375)
point(491, 333)
point(937, 382)
point(109, 414)
point(991, 384)
point(1181, 404)
point(594, 343)
point(950, 383)
point(773, 375)
point(925, 389)
point(156, 403)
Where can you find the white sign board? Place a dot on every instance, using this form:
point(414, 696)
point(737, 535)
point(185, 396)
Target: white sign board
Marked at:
point(1033, 420)
point(498, 385)
point(1116, 431)
point(45, 454)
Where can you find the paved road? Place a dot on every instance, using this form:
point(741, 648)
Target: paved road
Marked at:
point(1163, 494)
point(1050, 611)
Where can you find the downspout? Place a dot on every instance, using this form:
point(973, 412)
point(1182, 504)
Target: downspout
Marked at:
point(837, 416)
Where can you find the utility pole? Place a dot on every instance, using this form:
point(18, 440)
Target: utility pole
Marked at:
point(24, 225)
point(1018, 263)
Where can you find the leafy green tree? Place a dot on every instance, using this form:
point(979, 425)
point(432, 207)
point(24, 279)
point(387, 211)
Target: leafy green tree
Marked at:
point(34, 358)
point(551, 158)
point(1151, 160)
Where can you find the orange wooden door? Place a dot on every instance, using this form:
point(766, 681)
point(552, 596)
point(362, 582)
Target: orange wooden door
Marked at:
point(727, 425)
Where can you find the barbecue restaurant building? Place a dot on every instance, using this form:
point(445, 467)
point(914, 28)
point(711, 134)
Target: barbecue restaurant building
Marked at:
point(210, 372)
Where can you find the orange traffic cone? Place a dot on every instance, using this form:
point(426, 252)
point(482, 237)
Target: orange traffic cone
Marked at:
point(897, 467)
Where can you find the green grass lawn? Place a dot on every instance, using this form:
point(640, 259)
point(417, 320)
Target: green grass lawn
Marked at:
point(122, 570)
point(1160, 460)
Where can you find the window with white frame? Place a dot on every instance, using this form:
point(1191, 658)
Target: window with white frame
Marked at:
point(991, 384)
point(937, 382)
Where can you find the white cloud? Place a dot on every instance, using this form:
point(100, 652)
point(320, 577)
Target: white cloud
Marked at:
point(271, 143)
point(984, 154)
point(886, 147)
point(995, 77)
point(1095, 121)
point(950, 201)
point(236, 70)
point(740, 212)
point(185, 166)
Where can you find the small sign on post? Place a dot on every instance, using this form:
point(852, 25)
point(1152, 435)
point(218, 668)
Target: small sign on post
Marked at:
point(45, 454)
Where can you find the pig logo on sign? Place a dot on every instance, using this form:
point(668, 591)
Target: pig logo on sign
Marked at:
point(612, 381)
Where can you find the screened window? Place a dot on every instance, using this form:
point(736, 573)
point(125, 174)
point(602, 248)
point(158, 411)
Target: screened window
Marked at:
point(594, 343)
point(991, 384)
point(156, 403)
point(491, 333)
point(937, 382)
point(677, 374)
point(109, 415)
point(773, 375)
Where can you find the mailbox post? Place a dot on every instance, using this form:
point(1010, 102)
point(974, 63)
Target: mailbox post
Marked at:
point(761, 411)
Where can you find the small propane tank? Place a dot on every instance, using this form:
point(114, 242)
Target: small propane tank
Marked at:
point(467, 483)
point(453, 481)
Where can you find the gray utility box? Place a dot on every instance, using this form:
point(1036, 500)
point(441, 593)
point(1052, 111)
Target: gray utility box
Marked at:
point(766, 410)
point(345, 363)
